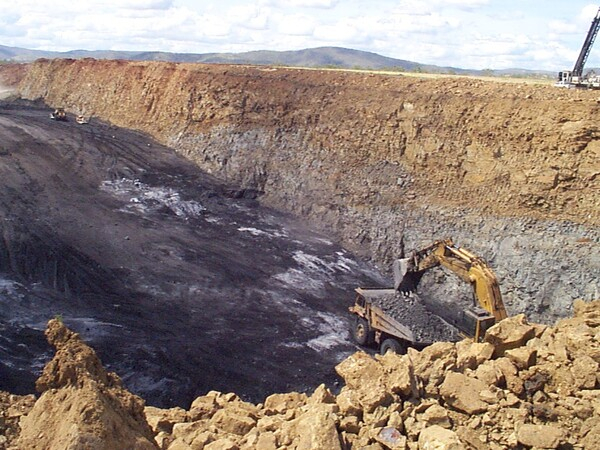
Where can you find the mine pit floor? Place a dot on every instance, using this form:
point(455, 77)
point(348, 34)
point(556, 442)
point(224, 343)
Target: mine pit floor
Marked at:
point(181, 283)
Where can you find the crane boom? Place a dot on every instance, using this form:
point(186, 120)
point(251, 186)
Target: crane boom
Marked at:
point(587, 46)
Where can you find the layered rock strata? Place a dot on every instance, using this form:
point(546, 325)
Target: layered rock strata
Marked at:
point(509, 170)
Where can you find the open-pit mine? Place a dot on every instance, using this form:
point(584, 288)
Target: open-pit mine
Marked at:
point(205, 230)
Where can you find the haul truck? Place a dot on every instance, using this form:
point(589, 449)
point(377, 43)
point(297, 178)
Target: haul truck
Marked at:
point(374, 326)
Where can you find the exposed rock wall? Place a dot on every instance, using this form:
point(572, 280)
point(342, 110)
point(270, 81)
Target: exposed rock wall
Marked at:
point(510, 171)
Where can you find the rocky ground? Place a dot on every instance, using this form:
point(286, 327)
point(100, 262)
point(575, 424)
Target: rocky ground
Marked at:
point(527, 386)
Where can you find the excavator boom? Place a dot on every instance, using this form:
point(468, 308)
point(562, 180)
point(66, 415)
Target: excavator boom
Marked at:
point(374, 325)
point(466, 265)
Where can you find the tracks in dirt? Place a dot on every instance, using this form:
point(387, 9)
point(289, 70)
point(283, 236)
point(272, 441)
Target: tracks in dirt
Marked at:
point(179, 286)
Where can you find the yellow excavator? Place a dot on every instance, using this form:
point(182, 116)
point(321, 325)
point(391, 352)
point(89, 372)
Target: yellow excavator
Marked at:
point(373, 325)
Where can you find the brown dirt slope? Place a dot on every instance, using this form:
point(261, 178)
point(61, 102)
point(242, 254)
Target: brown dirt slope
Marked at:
point(512, 149)
point(510, 171)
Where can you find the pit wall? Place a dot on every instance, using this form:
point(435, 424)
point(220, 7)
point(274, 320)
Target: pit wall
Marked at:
point(509, 170)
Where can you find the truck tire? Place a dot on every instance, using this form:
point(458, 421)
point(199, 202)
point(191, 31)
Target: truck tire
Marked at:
point(392, 345)
point(361, 332)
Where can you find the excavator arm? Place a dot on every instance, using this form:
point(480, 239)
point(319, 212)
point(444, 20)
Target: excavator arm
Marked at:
point(467, 266)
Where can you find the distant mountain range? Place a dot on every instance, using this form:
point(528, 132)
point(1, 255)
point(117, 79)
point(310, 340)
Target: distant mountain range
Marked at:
point(327, 57)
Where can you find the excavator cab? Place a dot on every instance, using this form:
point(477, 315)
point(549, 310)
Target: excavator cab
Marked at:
point(476, 322)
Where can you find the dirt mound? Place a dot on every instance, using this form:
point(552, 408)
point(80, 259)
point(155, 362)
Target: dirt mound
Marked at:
point(465, 395)
point(82, 405)
point(544, 394)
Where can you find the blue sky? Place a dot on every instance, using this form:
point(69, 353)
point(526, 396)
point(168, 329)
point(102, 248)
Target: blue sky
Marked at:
point(476, 34)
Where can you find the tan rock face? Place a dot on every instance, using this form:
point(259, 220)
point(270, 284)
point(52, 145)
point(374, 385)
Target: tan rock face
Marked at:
point(82, 406)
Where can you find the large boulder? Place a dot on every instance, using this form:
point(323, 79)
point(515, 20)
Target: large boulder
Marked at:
point(432, 363)
point(367, 378)
point(540, 436)
point(438, 438)
point(314, 430)
point(280, 403)
point(470, 355)
point(400, 377)
point(164, 419)
point(462, 393)
point(510, 333)
point(233, 421)
point(437, 415)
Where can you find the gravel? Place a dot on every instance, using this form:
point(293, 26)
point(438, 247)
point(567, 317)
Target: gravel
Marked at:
point(411, 311)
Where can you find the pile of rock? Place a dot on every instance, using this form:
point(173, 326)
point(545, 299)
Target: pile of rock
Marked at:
point(412, 312)
point(527, 386)
point(543, 394)
point(82, 406)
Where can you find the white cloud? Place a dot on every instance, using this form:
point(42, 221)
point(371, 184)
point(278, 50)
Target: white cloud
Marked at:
point(463, 3)
point(339, 32)
point(312, 3)
point(463, 33)
point(248, 16)
point(300, 3)
point(146, 4)
point(562, 27)
point(296, 25)
point(588, 12)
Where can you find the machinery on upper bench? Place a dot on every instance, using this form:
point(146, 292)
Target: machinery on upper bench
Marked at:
point(575, 78)
point(59, 114)
point(374, 326)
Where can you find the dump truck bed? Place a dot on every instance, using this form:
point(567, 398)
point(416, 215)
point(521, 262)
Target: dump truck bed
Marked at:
point(379, 319)
point(407, 317)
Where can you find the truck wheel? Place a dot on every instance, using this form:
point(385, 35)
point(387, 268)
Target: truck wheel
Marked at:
point(361, 332)
point(392, 345)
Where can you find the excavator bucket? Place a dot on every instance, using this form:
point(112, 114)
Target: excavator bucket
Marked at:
point(405, 279)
